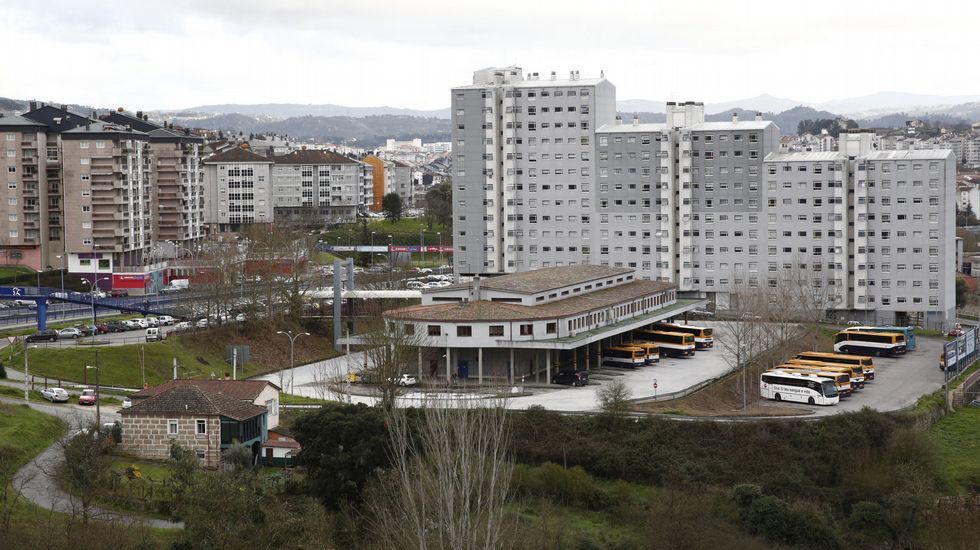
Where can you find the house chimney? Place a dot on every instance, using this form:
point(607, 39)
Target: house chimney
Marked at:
point(553, 75)
point(734, 116)
point(139, 115)
point(146, 117)
point(619, 119)
point(64, 107)
point(758, 115)
point(636, 119)
point(33, 105)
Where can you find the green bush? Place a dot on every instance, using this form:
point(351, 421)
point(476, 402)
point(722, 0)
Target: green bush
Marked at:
point(569, 487)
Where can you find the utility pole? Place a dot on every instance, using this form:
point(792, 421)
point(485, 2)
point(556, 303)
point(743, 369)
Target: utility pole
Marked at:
point(27, 375)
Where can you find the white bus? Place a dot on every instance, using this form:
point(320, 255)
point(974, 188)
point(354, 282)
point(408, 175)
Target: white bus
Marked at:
point(804, 388)
point(704, 337)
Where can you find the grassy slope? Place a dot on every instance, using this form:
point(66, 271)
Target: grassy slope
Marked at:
point(11, 270)
point(957, 437)
point(27, 432)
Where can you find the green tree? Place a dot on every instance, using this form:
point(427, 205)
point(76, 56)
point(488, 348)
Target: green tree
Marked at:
point(439, 205)
point(960, 292)
point(343, 448)
point(391, 206)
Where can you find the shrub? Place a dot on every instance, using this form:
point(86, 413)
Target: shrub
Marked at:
point(569, 487)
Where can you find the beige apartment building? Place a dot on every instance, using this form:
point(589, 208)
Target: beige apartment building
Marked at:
point(29, 200)
point(107, 197)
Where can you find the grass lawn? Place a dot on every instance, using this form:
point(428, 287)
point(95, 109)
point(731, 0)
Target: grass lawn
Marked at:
point(24, 433)
point(404, 231)
point(120, 365)
point(958, 439)
point(12, 270)
point(290, 399)
point(156, 471)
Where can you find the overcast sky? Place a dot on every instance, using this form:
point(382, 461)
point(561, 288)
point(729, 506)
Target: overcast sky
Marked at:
point(408, 53)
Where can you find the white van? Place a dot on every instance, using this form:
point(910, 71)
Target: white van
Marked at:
point(153, 334)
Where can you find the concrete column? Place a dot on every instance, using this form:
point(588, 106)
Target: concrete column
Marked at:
point(547, 361)
point(420, 362)
point(42, 313)
point(510, 374)
point(575, 360)
point(479, 365)
point(537, 371)
point(587, 356)
point(337, 303)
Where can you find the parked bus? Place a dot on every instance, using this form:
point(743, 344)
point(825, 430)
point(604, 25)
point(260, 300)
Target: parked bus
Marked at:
point(870, 343)
point(842, 380)
point(624, 357)
point(704, 337)
point(677, 344)
point(867, 364)
point(908, 332)
point(856, 372)
point(651, 349)
point(804, 388)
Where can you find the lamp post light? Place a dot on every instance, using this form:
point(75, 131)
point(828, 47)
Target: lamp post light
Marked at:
point(422, 246)
point(391, 243)
point(93, 285)
point(292, 340)
point(62, 258)
point(98, 397)
point(440, 247)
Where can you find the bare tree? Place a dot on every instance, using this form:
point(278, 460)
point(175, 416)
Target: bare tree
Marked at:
point(450, 481)
point(388, 351)
point(614, 398)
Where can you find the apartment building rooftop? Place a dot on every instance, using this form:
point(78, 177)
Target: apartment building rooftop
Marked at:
point(16, 122)
point(545, 279)
point(57, 119)
point(237, 154)
point(168, 135)
point(630, 127)
point(912, 154)
point(626, 126)
point(539, 83)
point(100, 128)
point(483, 310)
point(313, 156)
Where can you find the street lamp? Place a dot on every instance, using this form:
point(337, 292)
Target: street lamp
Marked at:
point(292, 340)
point(92, 287)
point(98, 398)
point(372, 248)
point(62, 258)
point(440, 247)
point(391, 242)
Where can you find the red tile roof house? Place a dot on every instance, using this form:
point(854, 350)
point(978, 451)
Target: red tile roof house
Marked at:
point(258, 392)
point(194, 418)
point(280, 449)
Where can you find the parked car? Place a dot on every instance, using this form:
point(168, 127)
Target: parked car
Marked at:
point(131, 324)
point(70, 332)
point(165, 320)
point(142, 323)
point(202, 323)
point(118, 293)
point(127, 402)
point(152, 321)
point(116, 326)
point(405, 380)
point(55, 395)
point(153, 334)
point(87, 397)
point(23, 303)
point(570, 378)
point(955, 333)
point(240, 318)
point(44, 336)
point(98, 294)
point(182, 326)
point(101, 328)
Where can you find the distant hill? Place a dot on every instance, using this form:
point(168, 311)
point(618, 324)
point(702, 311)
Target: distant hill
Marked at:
point(292, 110)
point(367, 131)
point(894, 101)
point(787, 120)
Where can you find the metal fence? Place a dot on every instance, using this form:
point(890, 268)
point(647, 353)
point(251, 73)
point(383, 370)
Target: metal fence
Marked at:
point(960, 353)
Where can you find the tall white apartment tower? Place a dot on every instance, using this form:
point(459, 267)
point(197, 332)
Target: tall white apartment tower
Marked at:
point(523, 169)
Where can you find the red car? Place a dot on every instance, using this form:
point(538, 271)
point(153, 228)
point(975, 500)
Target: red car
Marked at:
point(87, 397)
point(118, 293)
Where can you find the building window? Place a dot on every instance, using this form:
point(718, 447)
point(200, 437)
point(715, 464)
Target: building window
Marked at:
point(496, 330)
point(202, 427)
point(464, 330)
point(551, 328)
point(171, 427)
point(434, 330)
point(527, 330)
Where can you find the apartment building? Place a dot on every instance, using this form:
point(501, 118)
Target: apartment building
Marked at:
point(710, 206)
point(403, 183)
point(382, 179)
point(316, 186)
point(523, 169)
point(178, 179)
point(108, 212)
point(30, 201)
point(238, 187)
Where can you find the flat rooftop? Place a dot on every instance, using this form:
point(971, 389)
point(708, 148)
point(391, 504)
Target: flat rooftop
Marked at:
point(540, 280)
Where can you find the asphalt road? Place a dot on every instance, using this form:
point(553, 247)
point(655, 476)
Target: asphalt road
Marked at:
point(38, 483)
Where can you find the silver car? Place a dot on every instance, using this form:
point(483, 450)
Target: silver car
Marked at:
point(55, 395)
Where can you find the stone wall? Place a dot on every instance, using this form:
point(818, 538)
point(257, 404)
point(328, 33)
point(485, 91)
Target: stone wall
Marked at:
point(146, 436)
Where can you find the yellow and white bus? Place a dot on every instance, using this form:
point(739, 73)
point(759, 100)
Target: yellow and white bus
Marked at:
point(804, 388)
point(676, 344)
point(874, 344)
point(856, 373)
point(704, 337)
point(867, 364)
point(651, 349)
point(623, 357)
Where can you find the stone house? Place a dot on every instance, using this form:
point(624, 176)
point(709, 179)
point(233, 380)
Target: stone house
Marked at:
point(194, 418)
point(258, 392)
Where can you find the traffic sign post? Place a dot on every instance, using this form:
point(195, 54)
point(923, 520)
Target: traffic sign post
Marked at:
point(654, 389)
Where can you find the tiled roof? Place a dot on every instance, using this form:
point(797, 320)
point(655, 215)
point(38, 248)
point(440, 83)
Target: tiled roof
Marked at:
point(246, 390)
point(16, 120)
point(313, 156)
point(192, 400)
point(237, 154)
point(283, 444)
point(484, 310)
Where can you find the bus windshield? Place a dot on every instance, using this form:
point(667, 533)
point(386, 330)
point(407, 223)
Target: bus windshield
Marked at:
point(829, 389)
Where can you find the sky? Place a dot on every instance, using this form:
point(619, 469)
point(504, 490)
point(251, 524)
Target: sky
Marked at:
point(408, 53)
